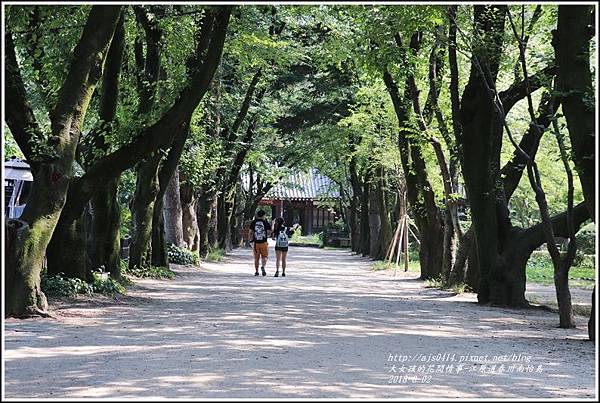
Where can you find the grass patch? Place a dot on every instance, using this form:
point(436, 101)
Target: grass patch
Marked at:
point(314, 239)
point(541, 271)
point(413, 266)
point(215, 255)
point(439, 282)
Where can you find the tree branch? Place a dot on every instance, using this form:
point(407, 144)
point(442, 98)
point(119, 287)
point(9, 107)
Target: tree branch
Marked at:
point(19, 115)
point(518, 91)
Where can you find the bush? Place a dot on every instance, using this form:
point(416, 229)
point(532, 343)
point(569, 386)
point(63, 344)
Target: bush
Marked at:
point(106, 286)
point(583, 260)
point(179, 255)
point(439, 282)
point(215, 255)
point(58, 286)
point(159, 272)
point(586, 240)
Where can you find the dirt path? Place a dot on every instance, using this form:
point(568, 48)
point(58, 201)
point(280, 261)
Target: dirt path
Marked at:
point(328, 329)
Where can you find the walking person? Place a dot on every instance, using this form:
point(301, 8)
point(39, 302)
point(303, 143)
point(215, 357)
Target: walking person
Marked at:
point(259, 232)
point(282, 235)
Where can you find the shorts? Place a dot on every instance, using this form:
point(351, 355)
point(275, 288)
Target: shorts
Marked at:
point(261, 249)
point(282, 248)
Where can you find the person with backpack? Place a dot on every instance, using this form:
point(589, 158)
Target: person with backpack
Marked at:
point(259, 228)
point(282, 235)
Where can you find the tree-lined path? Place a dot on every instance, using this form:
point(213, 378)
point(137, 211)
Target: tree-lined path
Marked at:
point(325, 330)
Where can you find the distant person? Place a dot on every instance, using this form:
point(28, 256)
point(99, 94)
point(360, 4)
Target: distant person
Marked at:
point(259, 228)
point(282, 235)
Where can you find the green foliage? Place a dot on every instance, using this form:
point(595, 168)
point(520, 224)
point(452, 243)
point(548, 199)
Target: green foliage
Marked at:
point(179, 255)
point(215, 255)
point(106, 285)
point(541, 271)
point(314, 239)
point(11, 149)
point(58, 286)
point(158, 272)
point(442, 284)
point(586, 239)
point(413, 266)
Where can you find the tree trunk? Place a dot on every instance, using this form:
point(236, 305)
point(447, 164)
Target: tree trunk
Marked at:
point(105, 245)
point(205, 212)
point(385, 229)
point(213, 237)
point(142, 212)
point(172, 212)
point(364, 216)
point(481, 141)
point(25, 297)
point(51, 179)
point(224, 208)
point(159, 247)
point(374, 221)
point(574, 82)
point(188, 217)
point(71, 237)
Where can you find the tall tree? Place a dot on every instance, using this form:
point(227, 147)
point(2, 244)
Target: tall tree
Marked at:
point(52, 170)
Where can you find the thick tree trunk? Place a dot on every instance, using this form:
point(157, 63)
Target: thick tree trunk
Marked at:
point(105, 245)
point(481, 141)
point(385, 228)
point(574, 82)
point(213, 236)
point(51, 179)
point(364, 217)
point(224, 208)
point(159, 242)
point(374, 221)
point(172, 212)
point(419, 190)
point(70, 237)
point(188, 217)
point(205, 215)
point(23, 294)
point(142, 212)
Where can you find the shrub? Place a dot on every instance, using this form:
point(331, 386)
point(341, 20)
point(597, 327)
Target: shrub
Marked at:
point(58, 286)
point(107, 285)
point(586, 240)
point(215, 255)
point(179, 255)
point(159, 272)
point(583, 260)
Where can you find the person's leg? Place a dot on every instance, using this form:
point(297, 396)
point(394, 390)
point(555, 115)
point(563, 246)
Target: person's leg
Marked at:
point(277, 260)
point(283, 262)
point(264, 251)
point(256, 259)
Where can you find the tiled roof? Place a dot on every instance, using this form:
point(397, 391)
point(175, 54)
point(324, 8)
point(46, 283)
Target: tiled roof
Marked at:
point(303, 186)
point(17, 169)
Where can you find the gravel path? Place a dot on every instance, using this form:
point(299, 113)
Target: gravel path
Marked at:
point(332, 328)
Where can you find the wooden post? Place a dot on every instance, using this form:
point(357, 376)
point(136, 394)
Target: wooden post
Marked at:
point(406, 244)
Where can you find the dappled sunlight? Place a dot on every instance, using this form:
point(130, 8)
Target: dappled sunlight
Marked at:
point(322, 331)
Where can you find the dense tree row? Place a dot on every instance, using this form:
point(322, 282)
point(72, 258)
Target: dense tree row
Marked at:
point(196, 112)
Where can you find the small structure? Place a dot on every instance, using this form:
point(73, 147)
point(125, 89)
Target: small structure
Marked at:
point(17, 186)
point(309, 199)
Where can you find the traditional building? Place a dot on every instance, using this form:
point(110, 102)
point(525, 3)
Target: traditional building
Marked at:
point(309, 199)
point(17, 185)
